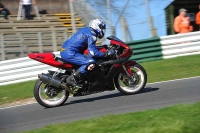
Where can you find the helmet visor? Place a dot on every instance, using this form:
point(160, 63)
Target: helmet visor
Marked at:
point(102, 26)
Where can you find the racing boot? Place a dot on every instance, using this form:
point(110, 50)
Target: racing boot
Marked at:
point(76, 79)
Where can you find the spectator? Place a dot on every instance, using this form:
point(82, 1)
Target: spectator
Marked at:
point(27, 7)
point(198, 18)
point(182, 22)
point(4, 11)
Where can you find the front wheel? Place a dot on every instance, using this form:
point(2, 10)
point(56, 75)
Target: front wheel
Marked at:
point(131, 86)
point(49, 96)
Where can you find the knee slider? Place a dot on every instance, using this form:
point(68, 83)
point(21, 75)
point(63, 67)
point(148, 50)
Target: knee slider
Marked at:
point(90, 67)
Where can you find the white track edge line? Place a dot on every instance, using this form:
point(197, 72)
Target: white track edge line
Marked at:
point(17, 105)
point(173, 80)
point(71, 96)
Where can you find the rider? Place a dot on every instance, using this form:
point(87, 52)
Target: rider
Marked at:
point(73, 48)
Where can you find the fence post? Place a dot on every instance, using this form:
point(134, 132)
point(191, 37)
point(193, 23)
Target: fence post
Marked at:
point(20, 11)
point(40, 42)
point(54, 42)
point(2, 48)
point(21, 45)
point(71, 7)
point(65, 35)
point(37, 12)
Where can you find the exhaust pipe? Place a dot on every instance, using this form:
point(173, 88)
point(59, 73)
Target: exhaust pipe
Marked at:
point(48, 79)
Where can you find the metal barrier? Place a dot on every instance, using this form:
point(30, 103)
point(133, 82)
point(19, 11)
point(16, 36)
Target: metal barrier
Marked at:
point(166, 47)
point(180, 45)
point(22, 69)
point(25, 69)
point(146, 50)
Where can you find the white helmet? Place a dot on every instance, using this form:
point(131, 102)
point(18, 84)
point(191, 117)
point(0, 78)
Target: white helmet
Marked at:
point(99, 26)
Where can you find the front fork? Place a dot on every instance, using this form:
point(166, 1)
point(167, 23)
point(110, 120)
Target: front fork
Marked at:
point(128, 72)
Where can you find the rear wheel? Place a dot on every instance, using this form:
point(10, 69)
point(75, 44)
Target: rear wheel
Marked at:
point(49, 96)
point(131, 86)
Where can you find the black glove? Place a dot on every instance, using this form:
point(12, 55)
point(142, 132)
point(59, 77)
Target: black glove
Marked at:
point(109, 54)
point(105, 46)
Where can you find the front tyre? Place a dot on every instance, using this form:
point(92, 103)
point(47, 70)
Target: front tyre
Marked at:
point(128, 86)
point(49, 96)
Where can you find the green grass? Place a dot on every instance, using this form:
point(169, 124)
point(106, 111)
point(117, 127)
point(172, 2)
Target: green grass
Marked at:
point(169, 69)
point(176, 119)
point(160, 70)
point(14, 92)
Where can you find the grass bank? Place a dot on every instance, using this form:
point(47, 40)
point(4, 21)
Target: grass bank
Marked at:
point(161, 70)
point(176, 68)
point(175, 119)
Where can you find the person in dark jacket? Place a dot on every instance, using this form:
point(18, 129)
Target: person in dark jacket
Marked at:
point(4, 11)
point(73, 48)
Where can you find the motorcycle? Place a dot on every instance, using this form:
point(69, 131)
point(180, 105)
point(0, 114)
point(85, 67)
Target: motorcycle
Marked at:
point(126, 75)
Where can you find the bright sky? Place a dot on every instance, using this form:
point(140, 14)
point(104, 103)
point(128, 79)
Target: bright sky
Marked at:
point(136, 16)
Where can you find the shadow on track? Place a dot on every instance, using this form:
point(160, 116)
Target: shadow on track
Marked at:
point(145, 90)
point(149, 89)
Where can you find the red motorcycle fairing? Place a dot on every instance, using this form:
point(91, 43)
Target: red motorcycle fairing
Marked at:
point(101, 49)
point(49, 58)
point(127, 65)
point(127, 53)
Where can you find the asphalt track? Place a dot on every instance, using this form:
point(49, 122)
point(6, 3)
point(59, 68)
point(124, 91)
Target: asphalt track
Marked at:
point(156, 95)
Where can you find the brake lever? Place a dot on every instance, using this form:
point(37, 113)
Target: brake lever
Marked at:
point(116, 54)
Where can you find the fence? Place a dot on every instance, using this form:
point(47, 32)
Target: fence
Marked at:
point(22, 69)
point(25, 69)
point(18, 44)
point(87, 13)
point(166, 47)
point(17, 38)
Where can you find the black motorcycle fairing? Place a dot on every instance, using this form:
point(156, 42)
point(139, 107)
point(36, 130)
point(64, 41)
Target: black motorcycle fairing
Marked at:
point(117, 61)
point(110, 76)
point(98, 81)
point(95, 83)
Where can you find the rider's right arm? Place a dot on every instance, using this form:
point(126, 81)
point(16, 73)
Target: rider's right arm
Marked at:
point(92, 49)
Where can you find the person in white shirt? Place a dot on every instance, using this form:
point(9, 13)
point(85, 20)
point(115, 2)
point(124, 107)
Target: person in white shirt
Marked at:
point(27, 7)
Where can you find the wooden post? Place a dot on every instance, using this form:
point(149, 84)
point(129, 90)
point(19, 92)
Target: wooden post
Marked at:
point(154, 29)
point(54, 42)
point(40, 42)
point(19, 12)
point(21, 45)
point(65, 35)
point(124, 29)
point(149, 17)
point(37, 12)
point(2, 47)
point(72, 15)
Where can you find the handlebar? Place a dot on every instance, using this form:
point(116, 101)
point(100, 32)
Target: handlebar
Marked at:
point(115, 48)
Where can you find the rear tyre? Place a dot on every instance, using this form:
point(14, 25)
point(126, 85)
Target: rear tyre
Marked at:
point(127, 86)
point(49, 96)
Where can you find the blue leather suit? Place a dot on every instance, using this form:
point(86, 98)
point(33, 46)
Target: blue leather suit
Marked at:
point(77, 44)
